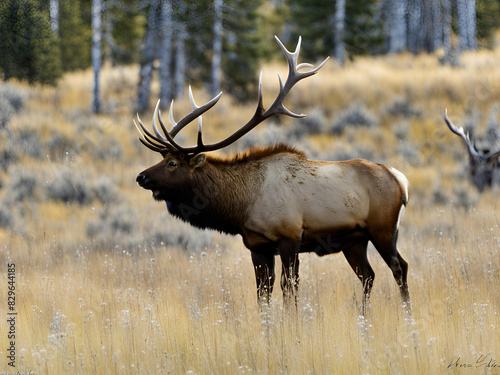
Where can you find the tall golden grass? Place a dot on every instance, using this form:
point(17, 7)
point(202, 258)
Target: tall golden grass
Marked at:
point(155, 309)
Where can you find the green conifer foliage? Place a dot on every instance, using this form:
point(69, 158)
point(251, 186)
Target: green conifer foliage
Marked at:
point(28, 47)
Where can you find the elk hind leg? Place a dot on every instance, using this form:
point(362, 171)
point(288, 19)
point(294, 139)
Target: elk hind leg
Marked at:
point(357, 258)
point(386, 246)
point(263, 264)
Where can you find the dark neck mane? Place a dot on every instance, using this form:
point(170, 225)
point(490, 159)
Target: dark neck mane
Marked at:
point(223, 189)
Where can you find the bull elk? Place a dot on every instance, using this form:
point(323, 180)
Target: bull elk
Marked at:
point(482, 161)
point(279, 201)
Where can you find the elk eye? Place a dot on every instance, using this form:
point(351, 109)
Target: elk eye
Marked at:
point(172, 164)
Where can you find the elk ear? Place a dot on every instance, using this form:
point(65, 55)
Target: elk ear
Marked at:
point(197, 160)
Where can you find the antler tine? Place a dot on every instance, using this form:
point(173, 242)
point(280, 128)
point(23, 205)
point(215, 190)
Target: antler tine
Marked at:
point(193, 104)
point(494, 154)
point(196, 112)
point(147, 135)
point(155, 128)
point(170, 139)
point(159, 143)
point(200, 141)
point(293, 74)
point(171, 114)
point(147, 141)
point(277, 107)
point(458, 130)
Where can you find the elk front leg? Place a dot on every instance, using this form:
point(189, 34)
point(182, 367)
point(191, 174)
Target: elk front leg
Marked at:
point(289, 254)
point(263, 264)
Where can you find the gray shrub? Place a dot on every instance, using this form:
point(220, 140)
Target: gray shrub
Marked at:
point(68, 186)
point(114, 227)
point(22, 185)
point(6, 112)
point(355, 116)
point(6, 216)
point(402, 106)
point(8, 154)
point(12, 100)
point(104, 189)
point(59, 145)
point(314, 123)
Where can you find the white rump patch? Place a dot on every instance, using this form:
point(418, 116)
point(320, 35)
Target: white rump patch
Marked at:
point(404, 184)
point(402, 180)
point(401, 212)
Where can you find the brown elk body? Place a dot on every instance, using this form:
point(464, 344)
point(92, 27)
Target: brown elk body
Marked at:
point(284, 204)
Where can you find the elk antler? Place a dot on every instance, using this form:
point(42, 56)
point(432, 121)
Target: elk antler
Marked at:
point(159, 143)
point(458, 130)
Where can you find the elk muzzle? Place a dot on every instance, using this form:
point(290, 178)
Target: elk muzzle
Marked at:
point(142, 180)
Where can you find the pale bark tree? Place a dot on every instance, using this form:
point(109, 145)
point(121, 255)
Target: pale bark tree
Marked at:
point(108, 37)
point(397, 26)
point(447, 30)
point(54, 15)
point(466, 10)
point(437, 24)
point(166, 51)
point(181, 36)
point(180, 60)
point(96, 53)
point(339, 27)
point(415, 31)
point(217, 49)
point(147, 59)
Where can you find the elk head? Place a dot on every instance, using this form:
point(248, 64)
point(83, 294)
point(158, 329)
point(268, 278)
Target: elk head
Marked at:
point(482, 161)
point(172, 175)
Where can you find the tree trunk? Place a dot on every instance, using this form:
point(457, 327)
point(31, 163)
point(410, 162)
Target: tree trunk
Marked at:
point(472, 23)
point(96, 52)
point(217, 49)
point(437, 25)
point(180, 60)
point(108, 37)
point(447, 30)
point(147, 60)
point(165, 52)
point(397, 26)
point(339, 30)
point(415, 31)
point(54, 15)
point(466, 10)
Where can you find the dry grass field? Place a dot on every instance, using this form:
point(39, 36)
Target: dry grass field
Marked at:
point(107, 282)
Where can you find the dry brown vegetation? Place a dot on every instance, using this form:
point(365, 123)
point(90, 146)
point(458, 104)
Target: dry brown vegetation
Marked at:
point(107, 282)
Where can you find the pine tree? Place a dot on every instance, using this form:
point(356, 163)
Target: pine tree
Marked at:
point(315, 21)
point(488, 20)
point(241, 49)
point(74, 35)
point(28, 46)
point(363, 34)
point(241, 45)
point(126, 24)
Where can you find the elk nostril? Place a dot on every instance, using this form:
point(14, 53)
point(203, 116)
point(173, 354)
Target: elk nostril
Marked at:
point(140, 178)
